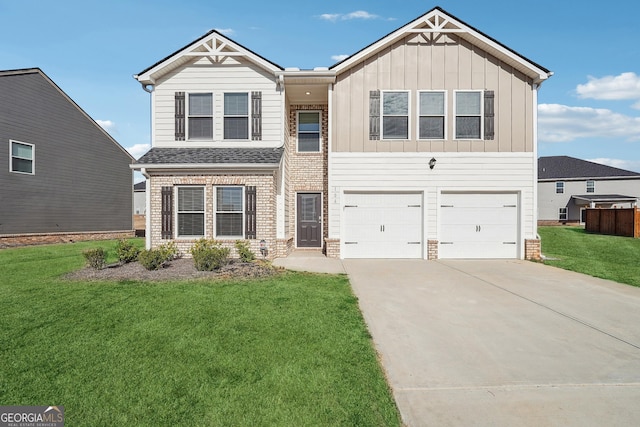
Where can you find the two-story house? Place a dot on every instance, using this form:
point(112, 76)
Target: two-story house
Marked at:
point(421, 145)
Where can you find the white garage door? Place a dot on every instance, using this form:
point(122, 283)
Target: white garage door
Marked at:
point(478, 225)
point(382, 225)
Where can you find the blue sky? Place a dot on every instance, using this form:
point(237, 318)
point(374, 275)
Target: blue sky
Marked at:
point(589, 109)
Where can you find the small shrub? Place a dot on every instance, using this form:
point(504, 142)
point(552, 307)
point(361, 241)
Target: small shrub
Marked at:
point(126, 251)
point(209, 255)
point(95, 258)
point(152, 259)
point(244, 251)
point(170, 251)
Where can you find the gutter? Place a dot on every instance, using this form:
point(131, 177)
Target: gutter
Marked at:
point(219, 166)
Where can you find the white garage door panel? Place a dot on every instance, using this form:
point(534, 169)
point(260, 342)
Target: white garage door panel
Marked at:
point(382, 225)
point(479, 225)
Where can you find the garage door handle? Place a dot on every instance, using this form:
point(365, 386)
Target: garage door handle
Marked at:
point(350, 206)
point(508, 243)
point(414, 206)
point(350, 243)
point(510, 206)
point(414, 243)
point(446, 206)
point(446, 243)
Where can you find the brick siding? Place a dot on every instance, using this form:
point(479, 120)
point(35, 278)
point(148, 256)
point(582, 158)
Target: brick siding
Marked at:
point(13, 240)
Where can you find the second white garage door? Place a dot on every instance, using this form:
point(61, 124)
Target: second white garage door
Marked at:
point(382, 225)
point(478, 225)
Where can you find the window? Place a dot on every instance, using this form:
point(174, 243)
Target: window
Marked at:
point(201, 116)
point(559, 187)
point(562, 214)
point(229, 212)
point(22, 157)
point(395, 115)
point(591, 186)
point(236, 116)
point(309, 131)
point(468, 107)
point(190, 211)
point(431, 108)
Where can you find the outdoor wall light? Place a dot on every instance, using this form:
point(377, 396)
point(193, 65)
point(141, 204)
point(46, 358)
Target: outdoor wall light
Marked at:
point(432, 163)
point(263, 248)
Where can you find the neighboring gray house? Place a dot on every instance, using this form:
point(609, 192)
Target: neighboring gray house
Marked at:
point(140, 198)
point(61, 173)
point(567, 186)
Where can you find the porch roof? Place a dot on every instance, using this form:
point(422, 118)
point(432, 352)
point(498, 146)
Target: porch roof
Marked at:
point(586, 199)
point(209, 157)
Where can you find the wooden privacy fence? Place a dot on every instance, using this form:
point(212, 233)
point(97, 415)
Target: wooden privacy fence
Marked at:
point(619, 222)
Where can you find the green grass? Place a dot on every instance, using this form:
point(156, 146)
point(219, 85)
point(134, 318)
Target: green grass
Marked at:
point(289, 350)
point(608, 257)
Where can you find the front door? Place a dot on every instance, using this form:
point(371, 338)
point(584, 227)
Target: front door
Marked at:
point(309, 227)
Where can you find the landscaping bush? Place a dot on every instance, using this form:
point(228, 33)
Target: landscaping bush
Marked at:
point(126, 251)
point(95, 258)
point(152, 259)
point(244, 251)
point(170, 251)
point(209, 255)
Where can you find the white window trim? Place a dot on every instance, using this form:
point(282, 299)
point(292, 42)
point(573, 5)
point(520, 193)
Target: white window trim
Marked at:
point(566, 214)
point(177, 212)
point(33, 157)
point(561, 187)
point(429, 115)
point(593, 190)
point(248, 116)
point(188, 115)
point(215, 212)
point(382, 115)
point(319, 131)
point(455, 115)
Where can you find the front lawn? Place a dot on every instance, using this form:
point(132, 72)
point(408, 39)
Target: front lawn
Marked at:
point(288, 350)
point(609, 257)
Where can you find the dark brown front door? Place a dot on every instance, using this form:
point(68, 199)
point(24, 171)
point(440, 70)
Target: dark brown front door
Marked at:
point(309, 228)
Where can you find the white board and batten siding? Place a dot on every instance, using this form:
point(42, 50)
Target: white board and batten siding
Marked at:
point(205, 77)
point(507, 175)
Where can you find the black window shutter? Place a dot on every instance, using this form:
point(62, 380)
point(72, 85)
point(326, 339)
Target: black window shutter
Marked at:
point(167, 212)
point(180, 104)
point(489, 115)
point(250, 212)
point(374, 115)
point(256, 116)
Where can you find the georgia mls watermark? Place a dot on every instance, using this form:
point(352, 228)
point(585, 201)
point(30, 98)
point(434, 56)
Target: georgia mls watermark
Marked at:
point(31, 416)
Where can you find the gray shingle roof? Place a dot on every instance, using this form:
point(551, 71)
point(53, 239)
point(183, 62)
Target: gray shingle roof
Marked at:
point(209, 156)
point(565, 167)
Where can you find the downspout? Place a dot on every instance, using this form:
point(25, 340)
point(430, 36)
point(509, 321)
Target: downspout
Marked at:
point(536, 87)
point(147, 213)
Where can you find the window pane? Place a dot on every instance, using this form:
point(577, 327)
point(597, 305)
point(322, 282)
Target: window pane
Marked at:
point(431, 127)
point(309, 122)
point(468, 103)
point(309, 142)
point(236, 104)
point(200, 104)
point(468, 127)
point(21, 150)
point(432, 103)
point(229, 224)
point(229, 199)
point(308, 211)
point(236, 128)
point(200, 128)
point(395, 103)
point(191, 199)
point(191, 224)
point(21, 165)
point(395, 127)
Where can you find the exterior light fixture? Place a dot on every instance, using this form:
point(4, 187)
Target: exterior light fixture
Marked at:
point(432, 163)
point(263, 248)
point(307, 93)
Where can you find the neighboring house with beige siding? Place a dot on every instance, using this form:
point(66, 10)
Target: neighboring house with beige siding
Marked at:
point(421, 145)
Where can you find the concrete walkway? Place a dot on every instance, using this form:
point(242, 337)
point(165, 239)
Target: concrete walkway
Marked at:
point(312, 261)
point(502, 343)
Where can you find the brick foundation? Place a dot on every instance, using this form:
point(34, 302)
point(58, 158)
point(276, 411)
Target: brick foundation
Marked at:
point(532, 249)
point(332, 248)
point(13, 240)
point(432, 249)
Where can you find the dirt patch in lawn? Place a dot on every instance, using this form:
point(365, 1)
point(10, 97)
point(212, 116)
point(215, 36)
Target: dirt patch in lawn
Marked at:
point(179, 269)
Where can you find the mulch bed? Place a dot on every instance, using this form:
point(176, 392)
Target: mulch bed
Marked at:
point(178, 269)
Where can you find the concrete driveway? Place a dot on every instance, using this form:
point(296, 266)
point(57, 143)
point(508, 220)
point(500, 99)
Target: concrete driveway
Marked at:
point(502, 343)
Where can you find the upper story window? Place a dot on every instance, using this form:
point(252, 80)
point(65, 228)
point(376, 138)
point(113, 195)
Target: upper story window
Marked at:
point(468, 115)
point(190, 211)
point(200, 116)
point(22, 157)
point(309, 131)
point(229, 212)
point(559, 187)
point(431, 110)
point(591, 186)
point(236, 115)
point(395, 115)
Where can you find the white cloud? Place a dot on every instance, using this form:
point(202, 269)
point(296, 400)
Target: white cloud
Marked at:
point(339, 58)
point(138, 150)
point(623, 86)
point(358, 14)
point(632, 165)
point(562, 123)
point(107, 125)
point(226, 31)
